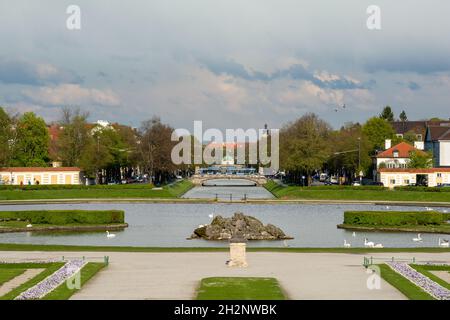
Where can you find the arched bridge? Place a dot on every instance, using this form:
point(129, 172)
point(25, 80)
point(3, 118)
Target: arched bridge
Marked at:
point(198, 179)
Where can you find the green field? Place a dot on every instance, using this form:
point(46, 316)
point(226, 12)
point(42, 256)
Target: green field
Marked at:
point(353, 193)
point(236, 288)
point(91, 192)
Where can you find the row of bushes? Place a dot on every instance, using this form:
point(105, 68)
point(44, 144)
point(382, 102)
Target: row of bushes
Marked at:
point(394, 218)
point(76, 187)
point(422, 189)
point(63, 217)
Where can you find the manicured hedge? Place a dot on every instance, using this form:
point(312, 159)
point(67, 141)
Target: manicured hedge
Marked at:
point(394, 218)
point(76, 187)
point(422, 189)
point(63, 217)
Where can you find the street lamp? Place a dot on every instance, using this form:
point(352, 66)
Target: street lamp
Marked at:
point(360, 173)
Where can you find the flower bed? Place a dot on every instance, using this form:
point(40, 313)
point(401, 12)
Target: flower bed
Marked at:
point(423, 282)
point(53, 281)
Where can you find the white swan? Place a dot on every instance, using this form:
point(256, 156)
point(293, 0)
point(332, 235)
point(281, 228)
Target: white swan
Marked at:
point(378, 245)
point(418, 239)
point(387, 207)
point(211, 215)
point(354, 234)
point(29, 225)
point(428, 209)
point(346, 244)
point(368, 244)
point(443, 243)
point(110, 235)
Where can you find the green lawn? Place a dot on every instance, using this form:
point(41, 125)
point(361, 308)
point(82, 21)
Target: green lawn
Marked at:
point(49, 269)
point(337, 193)
point(410, 290)
point(60, 293)
point(8, 274)
point(117, 191)
point(425, 270)
point(240, 289)
point(68, 248)
point(64, 293)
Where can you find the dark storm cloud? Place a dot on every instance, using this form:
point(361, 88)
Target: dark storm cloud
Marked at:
point(296, 72)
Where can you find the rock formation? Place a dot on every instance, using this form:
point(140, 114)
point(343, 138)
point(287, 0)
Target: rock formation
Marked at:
point(251, 228)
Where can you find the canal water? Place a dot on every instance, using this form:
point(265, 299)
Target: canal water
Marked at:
point(228, 189)
point(168, 225)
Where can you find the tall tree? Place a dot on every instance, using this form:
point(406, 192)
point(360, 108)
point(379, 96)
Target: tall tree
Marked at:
point(350, 148)
point(74, 136)
point(5, 138)
point(420, 160)
point(387, 114)
point(155, 149)
point(304, 146)
point(403, 117)
point(377, 130)
point(31, 147)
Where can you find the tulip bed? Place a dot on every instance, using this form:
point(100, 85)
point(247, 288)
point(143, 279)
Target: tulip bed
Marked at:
point(426, 284)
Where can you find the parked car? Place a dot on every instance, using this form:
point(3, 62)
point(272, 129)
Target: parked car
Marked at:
point(445, 185)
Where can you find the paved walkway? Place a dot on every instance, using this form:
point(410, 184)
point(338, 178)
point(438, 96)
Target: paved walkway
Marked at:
point(176, 275)
point(19, 280)
point(444, 275)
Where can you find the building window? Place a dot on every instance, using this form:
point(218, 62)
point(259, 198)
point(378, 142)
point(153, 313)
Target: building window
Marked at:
point(395, 153)
point(392, 181)
point(439, 175)
point(406, 181)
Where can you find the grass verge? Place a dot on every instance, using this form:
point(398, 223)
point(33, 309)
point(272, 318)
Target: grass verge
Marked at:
point(64, 293)
point(410, 290)
point(240, 288)
point(171, 191)
point(338, 193)
point(8, 274)
point(425, 270)
point(68, 248)
point(49, 269)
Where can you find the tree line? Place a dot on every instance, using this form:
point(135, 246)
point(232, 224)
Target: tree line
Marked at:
point(308, 145)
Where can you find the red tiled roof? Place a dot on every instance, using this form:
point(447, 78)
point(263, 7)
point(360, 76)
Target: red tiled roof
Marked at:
point(404, 150)
point(38, 169)
point(411, 170)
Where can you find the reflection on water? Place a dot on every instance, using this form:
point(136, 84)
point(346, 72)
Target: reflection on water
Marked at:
point(168, 225)
point(224, 189)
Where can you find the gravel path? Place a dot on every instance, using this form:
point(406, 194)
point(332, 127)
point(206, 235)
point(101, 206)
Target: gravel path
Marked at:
point(19, 280)
point(176, 275)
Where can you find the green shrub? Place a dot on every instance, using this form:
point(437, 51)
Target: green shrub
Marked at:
point(394, 218)
point(63, 217)
point(76, 187)
point(422, 189)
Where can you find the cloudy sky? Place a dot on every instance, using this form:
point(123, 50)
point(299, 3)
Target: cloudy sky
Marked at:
point(230, 63)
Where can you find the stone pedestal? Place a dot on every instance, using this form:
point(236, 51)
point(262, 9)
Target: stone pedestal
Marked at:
point(238, 255)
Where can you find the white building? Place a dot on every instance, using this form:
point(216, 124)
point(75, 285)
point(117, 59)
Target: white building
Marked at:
point(38, 175)
point(397, 177)
point(396, 157)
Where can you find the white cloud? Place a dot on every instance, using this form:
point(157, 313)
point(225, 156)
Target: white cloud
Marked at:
point(72, 94)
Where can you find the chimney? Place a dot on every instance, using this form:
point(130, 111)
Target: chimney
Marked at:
point(388, 144)
point(419, 145)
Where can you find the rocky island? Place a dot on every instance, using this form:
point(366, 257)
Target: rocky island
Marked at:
point(251, 228)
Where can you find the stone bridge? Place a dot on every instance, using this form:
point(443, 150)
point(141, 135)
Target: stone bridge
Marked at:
point(198, 179)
